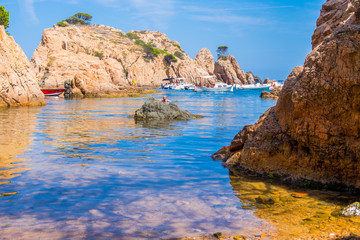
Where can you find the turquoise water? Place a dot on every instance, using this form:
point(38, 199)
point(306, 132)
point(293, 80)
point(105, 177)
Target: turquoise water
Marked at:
point(84, 169)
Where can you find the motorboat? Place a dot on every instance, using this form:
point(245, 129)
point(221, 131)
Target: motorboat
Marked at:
point(53, 91)
point(176, 84)
point(253, 86)
point(217, 87)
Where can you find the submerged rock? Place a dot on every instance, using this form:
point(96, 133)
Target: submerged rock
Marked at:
point(157, 110)
point(353, 210)
point(313, 132)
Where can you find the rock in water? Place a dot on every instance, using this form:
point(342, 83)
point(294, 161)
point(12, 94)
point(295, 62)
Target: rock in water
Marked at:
point(156, 110)
point(353, 210)
point(18, 85)
point(274, 94)
point(314, 130)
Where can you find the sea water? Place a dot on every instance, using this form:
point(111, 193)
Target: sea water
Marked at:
point(83, 169)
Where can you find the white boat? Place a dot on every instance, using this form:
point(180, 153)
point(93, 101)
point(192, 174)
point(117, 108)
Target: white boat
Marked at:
point(175, 84)
point(253, 86)
point(217, 87)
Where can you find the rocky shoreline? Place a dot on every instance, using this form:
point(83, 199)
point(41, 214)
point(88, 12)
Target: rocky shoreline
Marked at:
point(313, 132)
point(18, 83)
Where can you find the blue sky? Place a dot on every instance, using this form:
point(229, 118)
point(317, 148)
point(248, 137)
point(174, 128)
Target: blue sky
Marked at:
point(267, 37)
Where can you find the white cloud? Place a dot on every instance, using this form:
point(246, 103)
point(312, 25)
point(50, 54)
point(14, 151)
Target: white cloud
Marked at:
point(29, 9)
point(157, 11)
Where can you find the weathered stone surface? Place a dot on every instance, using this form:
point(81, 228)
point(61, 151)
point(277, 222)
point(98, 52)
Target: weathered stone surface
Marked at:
point(314, 130)
point(102, 60)
point(155, 110)
point(353, 210)
point(274, 94)
point(205, 59)
point(228, 70)
point(18, 83)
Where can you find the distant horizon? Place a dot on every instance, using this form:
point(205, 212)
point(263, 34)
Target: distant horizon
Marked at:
point(267, 38)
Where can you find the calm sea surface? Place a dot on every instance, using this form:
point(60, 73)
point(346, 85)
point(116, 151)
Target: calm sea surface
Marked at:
point(84, 169)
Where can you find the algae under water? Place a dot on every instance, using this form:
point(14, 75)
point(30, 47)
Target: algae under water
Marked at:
point(83, 169)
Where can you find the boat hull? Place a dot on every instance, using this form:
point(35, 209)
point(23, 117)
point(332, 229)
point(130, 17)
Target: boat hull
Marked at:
point(53, 92)
point(206, 89)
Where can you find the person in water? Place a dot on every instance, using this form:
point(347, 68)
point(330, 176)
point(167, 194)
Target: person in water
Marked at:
point(165, 100)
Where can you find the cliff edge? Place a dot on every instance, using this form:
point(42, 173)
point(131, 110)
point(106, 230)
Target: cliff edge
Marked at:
point(313, 132)
point(18, 83)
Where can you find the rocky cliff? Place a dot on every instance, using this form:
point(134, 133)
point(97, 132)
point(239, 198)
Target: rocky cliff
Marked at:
point(313, 132)
point(101, 59)
point(18, 83)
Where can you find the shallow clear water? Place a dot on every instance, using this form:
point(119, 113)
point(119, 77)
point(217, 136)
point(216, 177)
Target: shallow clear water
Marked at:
point(84, 169)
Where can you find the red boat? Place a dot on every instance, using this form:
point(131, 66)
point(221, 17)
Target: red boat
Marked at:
point(53, 92)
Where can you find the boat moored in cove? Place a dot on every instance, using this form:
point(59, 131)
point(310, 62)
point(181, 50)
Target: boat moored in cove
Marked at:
point(53, 92)
point(217, 87)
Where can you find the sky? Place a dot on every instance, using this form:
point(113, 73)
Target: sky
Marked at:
point(267, 37)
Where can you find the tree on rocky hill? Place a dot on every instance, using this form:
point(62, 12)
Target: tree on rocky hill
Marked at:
point(84, 16)
point(4, 17)
point(78, 18)
point(222, 52)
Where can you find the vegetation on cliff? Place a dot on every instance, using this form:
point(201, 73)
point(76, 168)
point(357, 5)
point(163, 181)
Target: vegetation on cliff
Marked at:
point(78, 18)
point(4, 17)
point(222, 52)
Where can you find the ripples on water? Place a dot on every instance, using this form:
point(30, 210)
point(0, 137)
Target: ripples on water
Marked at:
point(83, 169)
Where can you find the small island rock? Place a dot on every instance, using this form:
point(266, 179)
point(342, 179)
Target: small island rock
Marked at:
point(274, 94)
point(154, 109)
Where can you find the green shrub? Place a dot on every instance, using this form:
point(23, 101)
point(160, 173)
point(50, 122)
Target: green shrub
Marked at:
point(132, 36)
point(62, 24)
point(4, 17)
point(179, 55)
point(100, 55)
point(139, 42)
point(169, 58)
point(177, 45)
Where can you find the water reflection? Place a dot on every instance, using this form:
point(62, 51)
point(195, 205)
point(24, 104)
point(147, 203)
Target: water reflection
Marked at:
point(17, 125)
point(95, 173)
point(296, 212)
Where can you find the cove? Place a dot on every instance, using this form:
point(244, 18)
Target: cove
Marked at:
point(83, 169)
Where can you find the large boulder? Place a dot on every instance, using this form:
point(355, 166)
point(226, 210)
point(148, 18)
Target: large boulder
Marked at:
point(205, 59)
point(18, 85)
point(228, 70)
point(313, 132)
point(154, 110)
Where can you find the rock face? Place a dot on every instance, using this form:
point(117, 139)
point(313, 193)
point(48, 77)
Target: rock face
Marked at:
point(156, 110)
point(18, 84)
point(314, 130)
point(353, 210)
point(103, 60)
point(274, 94)
point(228, 70)
point(205, 59)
